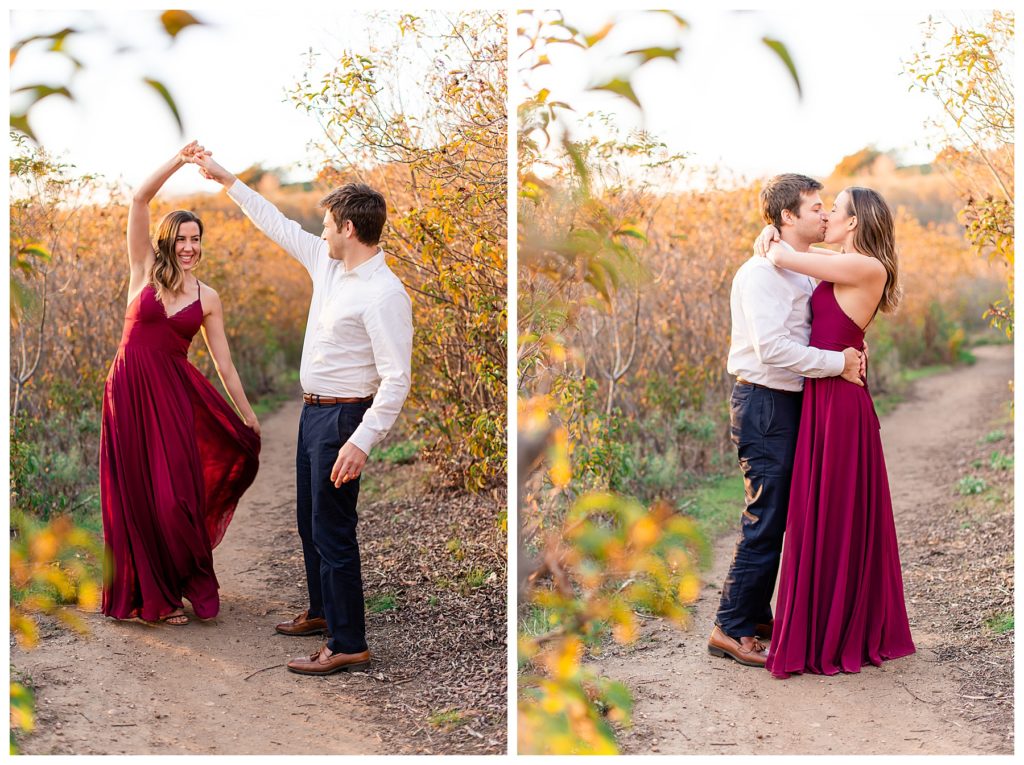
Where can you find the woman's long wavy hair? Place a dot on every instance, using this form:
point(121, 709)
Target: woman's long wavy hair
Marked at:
point(875, 235)
point(168, 277)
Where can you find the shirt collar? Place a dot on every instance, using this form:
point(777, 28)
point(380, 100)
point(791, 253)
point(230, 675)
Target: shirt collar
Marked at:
point(365, 269)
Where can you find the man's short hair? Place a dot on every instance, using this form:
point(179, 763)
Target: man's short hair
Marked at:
point(783, 192)
point(362, 205)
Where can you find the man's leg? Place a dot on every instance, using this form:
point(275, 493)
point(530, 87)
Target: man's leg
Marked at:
point(304, 519)
point(334, 533)
point(764, 429)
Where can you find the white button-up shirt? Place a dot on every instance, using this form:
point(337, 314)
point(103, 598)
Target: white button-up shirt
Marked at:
point(359, 331)
point(771, 326)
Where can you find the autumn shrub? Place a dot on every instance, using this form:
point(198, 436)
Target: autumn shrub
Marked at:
point(966, 66)
point(442, 168)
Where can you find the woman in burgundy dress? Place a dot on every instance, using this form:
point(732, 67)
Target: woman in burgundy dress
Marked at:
point(174, 456)
point(840, 603)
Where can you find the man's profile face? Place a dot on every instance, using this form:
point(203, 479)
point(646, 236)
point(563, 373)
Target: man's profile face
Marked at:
point(812, 219)
point(334, 238)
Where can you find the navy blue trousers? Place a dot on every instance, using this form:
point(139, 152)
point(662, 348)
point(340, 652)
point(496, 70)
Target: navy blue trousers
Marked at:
point(764, 425)
point(327, 524)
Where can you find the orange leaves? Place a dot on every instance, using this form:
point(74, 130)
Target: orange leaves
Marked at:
point(51, 565)
point(614, 559)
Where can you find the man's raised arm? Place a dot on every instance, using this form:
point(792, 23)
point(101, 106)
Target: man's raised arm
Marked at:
point(305, 247)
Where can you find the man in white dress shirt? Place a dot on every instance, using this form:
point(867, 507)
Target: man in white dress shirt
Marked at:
point(355, 374)
point(770, 358)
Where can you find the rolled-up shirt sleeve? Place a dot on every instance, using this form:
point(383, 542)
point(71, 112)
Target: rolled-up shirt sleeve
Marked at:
point(305, 247)
point(388, 323)
point(766, 312)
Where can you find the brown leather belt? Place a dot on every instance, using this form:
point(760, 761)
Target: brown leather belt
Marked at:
point(315, 400)
point(741, 381)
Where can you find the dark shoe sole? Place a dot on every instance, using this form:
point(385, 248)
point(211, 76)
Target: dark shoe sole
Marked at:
point(725, 654)
point(343, 668)
point(318, 631)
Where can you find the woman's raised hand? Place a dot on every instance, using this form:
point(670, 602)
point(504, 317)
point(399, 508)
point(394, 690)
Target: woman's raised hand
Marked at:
point(763, 243)
point(191, 151)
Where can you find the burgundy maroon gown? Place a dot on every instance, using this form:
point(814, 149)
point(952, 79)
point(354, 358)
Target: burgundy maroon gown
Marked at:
point(840, 603)
point(174, 461)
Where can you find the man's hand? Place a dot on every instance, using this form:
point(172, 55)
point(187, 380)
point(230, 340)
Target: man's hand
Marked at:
point(349, 464)
point(210, 170)
point(854, 363)
point(764, 240)
point(189, 152)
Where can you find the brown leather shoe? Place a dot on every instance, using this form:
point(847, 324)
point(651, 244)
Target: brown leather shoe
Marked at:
point(764, 631)
point(300, 625)
point(720, 644)
point(323, 662)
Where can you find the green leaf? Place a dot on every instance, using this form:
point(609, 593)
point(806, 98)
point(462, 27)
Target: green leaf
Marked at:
point(19, 122)
point(631, 231)
point(56, 37)
point(617, 695)
point(780, 50)
point(619, 87)
point(39, 92)
point(166, 96)
point(175, 21)
point(35, 250)
point(649, 54)
point(20, 297)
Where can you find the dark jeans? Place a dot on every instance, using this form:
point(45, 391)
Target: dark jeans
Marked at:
point(764, 428)
point(327, 524)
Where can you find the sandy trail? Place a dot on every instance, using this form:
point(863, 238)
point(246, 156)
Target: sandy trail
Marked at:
point(211, 688)
point(690, 703)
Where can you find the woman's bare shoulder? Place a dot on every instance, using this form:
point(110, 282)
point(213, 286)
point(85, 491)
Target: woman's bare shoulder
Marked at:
point(208, 297)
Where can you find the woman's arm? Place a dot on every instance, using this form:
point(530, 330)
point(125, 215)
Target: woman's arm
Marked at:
point(217, 342)
point(770, 234)
point(836, 267)
point(140, 247)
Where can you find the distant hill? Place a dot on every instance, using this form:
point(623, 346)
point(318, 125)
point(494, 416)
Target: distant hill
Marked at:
point(922, 189)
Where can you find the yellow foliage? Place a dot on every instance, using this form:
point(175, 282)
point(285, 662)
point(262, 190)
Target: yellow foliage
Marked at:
point(560, 471)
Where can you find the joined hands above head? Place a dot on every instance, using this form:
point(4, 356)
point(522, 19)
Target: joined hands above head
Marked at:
point(209, 168)
point(189, 152)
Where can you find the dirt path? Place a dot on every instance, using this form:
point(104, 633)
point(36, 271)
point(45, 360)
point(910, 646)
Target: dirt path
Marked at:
point(690, 703)
point(211, 688)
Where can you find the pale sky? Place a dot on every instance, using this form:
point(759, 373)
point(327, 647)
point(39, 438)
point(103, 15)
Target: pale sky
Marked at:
point(731, 102)
point(229, 79)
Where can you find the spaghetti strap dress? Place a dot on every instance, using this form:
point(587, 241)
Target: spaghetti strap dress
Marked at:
point(174, 460)
point(840, 603)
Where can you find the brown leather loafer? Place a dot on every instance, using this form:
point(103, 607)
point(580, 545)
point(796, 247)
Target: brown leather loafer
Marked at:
point(764, 631)
point(301, 625)
point(720, 644)
point(323, 662)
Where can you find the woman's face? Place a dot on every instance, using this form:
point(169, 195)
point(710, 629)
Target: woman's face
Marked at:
point(840, 222)
point(187, 245)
